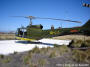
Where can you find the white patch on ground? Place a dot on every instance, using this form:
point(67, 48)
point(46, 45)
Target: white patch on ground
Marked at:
point(54, 41)
point(11, 46)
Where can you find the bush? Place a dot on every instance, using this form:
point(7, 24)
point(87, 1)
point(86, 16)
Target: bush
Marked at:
point(55, 45)
point(15, 52)
point(1, 56)
point(80, 43)
point(79, 56)
point(77, 43)
point(87, 42)
point(36, 50)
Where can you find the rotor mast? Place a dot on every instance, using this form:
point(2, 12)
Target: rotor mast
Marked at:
point(30, 17)
point(30, 21)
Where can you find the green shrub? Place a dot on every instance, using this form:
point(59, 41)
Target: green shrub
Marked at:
point(55, 45)
point(15, 52)
point(1, 56)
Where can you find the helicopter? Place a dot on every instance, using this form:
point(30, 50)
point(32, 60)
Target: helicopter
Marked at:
point(36, 32)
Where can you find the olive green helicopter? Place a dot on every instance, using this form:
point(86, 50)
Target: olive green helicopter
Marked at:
point(36, 32)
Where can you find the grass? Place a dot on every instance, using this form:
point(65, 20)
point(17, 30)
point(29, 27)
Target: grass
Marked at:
point(36, 50)
point(87, 42)
point(63, 49)
point(39, 50)
point(7, 36)
point(32, 65)
point(77, 43)
point(80, 56)
point(42, 62)
point(88, 53)
point(44, 50)
point(6, 60)
point(58, 51)
point(52, 54)
point(26, 60)
point(81, 43)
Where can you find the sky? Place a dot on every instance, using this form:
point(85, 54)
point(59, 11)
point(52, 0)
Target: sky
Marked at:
point(63, 9)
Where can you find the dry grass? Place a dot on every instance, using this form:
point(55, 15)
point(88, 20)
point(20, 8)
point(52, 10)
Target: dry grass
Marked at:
point(81, 56)
point(26, 59)
point(51, 52)
point(72, 37)
point(80, 43)
point(42, 62)
point(57, 51)
point(6, 60)
point(7, 36)
point(35, 50)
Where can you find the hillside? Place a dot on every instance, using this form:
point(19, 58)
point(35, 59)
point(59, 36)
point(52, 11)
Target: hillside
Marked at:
point(87, 25)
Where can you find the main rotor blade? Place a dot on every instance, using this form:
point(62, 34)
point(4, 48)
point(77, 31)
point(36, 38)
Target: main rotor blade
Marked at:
point(18, 16)
point(59, 19)
point(32, 17)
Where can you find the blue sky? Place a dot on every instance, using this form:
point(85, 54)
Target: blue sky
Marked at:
point(63, 9)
